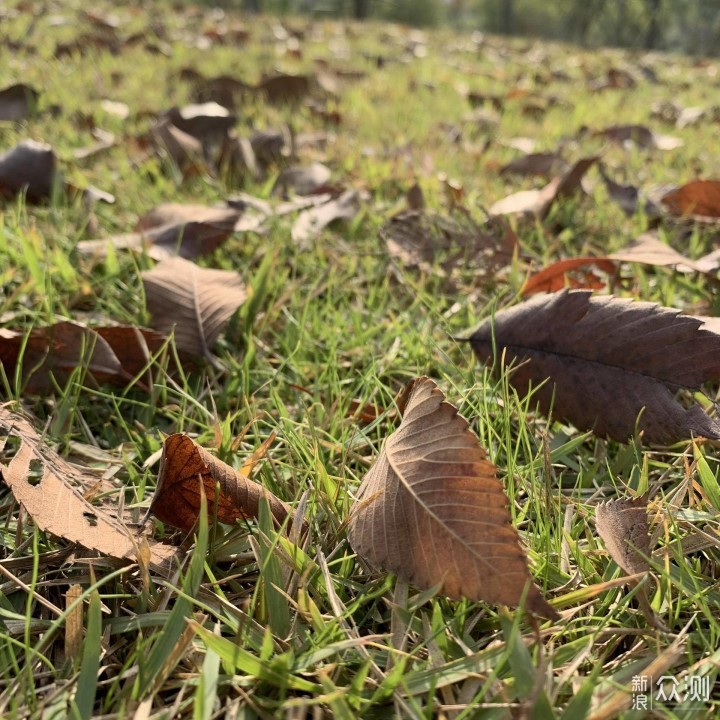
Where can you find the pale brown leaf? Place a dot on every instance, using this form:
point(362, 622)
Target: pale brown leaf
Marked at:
point(623, 526)
point(611, 363)
point(195, 303)
point(52, 494)
point(310, 223)
point(432, 510)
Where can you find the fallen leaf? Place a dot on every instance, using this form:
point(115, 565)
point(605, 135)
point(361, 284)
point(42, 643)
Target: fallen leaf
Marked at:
point(625, 196)
point(18, 102)
point(623, 526)
point(29, 167)
point(304, 180)
point(230, 495)
point(538, 202)
point(612, 364)
point(172, 229)
point(282, 89)
point(53, 497)
point(649, 249)
point(310, 223)
point(195, 303)
point(699, 200)
point(420, 239)
point(535, 164)
point(432, 510)
point(201, 121)
point(554, 277)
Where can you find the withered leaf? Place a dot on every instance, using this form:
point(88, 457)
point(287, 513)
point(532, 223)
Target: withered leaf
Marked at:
point(649, 249)
point(538, 202)
point(172, 229)
point(282, 89)
point(231, 496)
point(554, 277)
point(535, 164)
point(202, 121)
point(111, 354)
point(698, 200)
point(304, 179)
point(623, 526)
point(29, 167)
point(611, 363)
point(310, 223)
point(17, 101)
point(432, 510)
point(420, 238)
point(55, 498)
point(195, 303)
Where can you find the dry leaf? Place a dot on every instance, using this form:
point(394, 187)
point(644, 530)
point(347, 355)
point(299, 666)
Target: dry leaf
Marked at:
point(432, 510)
point(29, 167)
point(554, 277)
point(535, 164)
point(623, 526)
point(195, 303)
point(231, 496)
point(170, 230)
point(649, 249)
point(611, 363)
point(538, 202)
point(281, 89)
point(304, 180)
point(201, 121)
point(310, 223)
point(17, 102)
point(698, 199)
point(54, 497)
point(419, 239)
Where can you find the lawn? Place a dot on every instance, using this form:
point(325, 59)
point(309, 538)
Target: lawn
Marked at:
point(346, 282)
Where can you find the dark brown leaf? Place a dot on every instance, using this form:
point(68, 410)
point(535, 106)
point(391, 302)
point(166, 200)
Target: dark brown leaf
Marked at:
point(535, 164)
point(281, 89)
point(231, 496)
point(29, 167)
point(195, 303)
point(612, 364)
point(432, 510)
point(55, 499)
point(17, 102)
point(202, 121)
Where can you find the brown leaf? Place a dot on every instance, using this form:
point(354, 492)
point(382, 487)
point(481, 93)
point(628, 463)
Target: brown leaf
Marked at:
point(554, 277)
point(539, 202)
point(231, 496)
point(53, 496)
point(282, 89)
point(310, 223)
point(201, 121)
point(611, 363)
point(17, 102)
point(29, 167)
point(419, 239)
point(626, 196)
point(170, 230)
point(432, 510)
point(304, 180)
point(535, 164)
point(195, 303)
point(58, 352)
point(698, 199)
point(623, 526)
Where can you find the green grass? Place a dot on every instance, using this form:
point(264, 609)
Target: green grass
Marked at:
point(256, 626)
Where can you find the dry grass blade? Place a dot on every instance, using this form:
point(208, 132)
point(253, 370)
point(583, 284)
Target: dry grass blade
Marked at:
point(194, 302)
point(613, 364)
point(432, 510)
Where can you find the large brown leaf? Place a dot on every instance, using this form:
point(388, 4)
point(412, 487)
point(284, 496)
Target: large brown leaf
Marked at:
point(53, 496)
point(432, 510)
point(623, 525)
point(698, 199)
point(231, 496)
point(611, 363)
point(196, 303)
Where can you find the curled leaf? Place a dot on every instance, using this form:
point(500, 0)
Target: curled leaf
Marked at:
point(231, 496)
